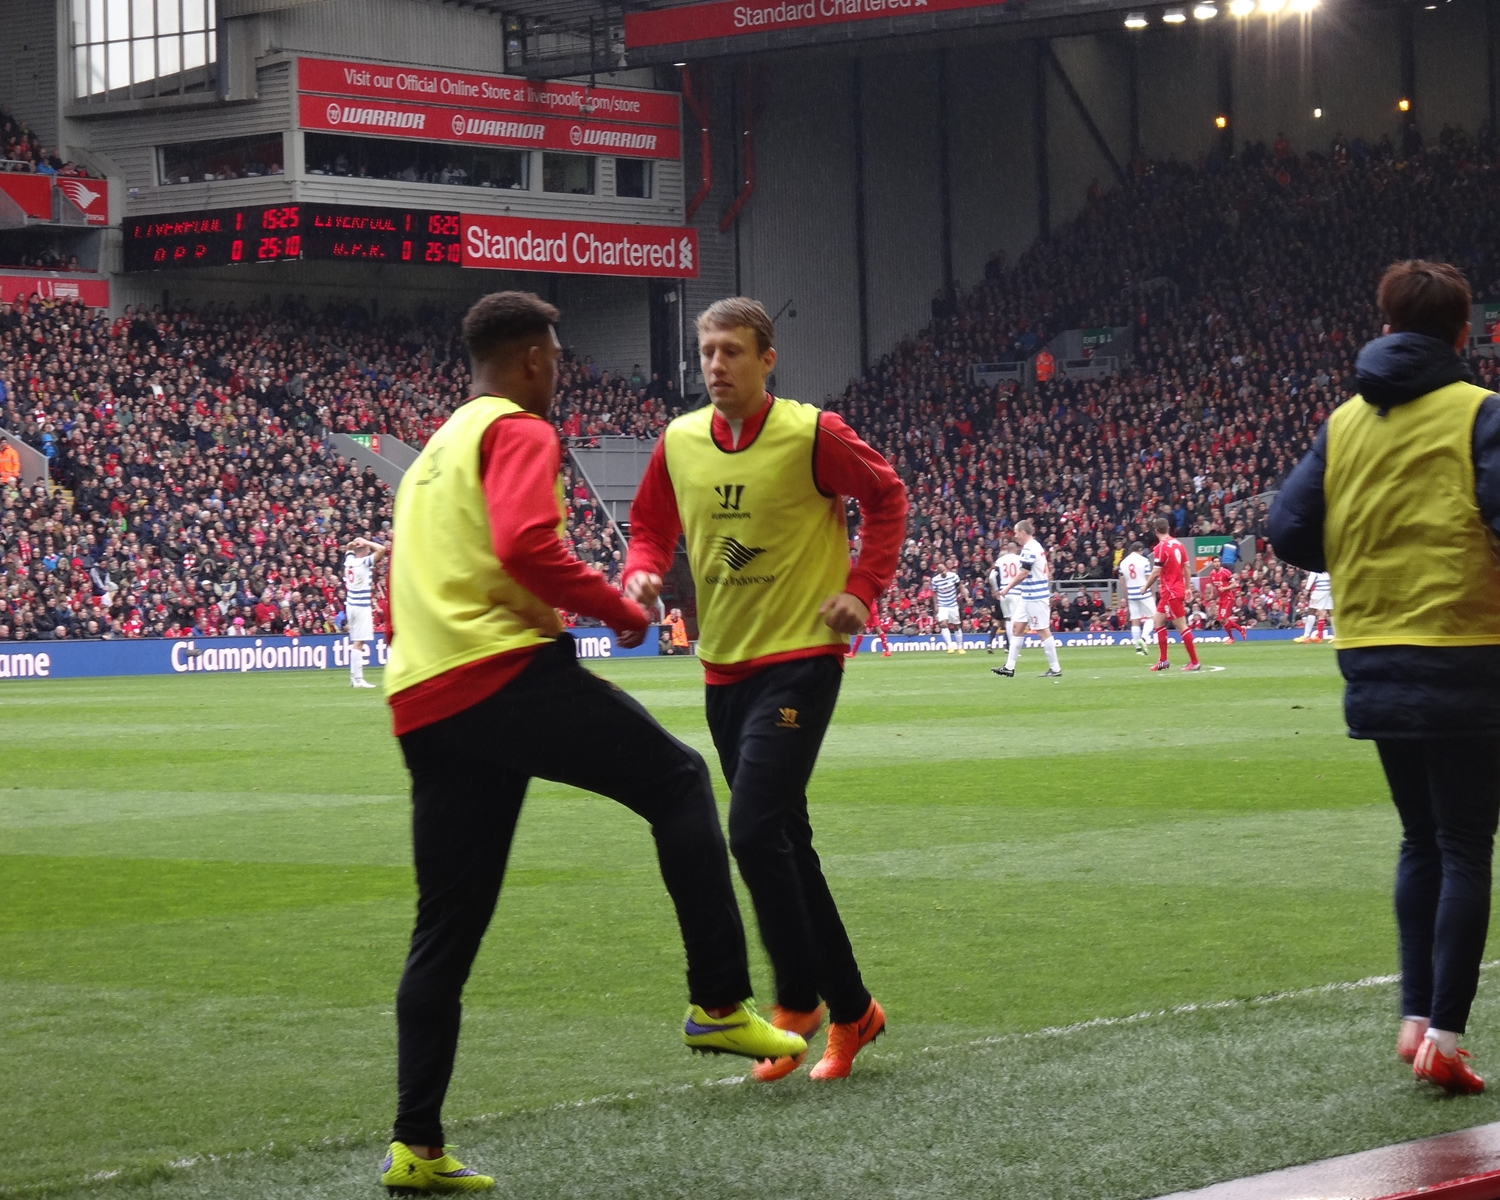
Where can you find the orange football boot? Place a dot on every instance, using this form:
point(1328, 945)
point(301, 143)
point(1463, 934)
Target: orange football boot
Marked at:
point(1452, 1074)
point(1413, 1030)
point(804, 1024)
point(845, 1040)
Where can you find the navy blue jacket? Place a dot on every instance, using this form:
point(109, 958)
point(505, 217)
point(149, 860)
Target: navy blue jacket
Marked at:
point(1402, 691)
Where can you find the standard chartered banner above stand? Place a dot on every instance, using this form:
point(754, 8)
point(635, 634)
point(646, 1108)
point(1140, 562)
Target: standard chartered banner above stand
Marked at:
point(233, 656)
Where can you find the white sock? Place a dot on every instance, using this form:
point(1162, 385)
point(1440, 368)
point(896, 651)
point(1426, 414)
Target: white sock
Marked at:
point(356, 666)
point(1013, 653)
point(1447, 1041)
point(1049, 647)
point(947, 637)
point(1308, 624)
point(1145, 629)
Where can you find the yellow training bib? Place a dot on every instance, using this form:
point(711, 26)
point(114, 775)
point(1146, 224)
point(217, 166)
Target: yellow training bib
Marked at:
point(766, 547)
point(452, 601)
point(1412, 561)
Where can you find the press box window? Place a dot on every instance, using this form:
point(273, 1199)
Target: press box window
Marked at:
point(633, 178)
point(416, 162)
point(570, 173)
point(220, 158)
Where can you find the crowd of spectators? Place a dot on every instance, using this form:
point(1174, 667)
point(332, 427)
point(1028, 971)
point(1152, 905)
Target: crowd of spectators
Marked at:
point(193, 488)
point(20, 148)
point(1246, 286)
point(199, 494)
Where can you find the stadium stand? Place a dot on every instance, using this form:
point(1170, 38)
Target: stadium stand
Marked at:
point(194, 492)
point(1249, 285)
point(23, 150)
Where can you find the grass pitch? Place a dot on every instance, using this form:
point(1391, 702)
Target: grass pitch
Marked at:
point(1103, 913)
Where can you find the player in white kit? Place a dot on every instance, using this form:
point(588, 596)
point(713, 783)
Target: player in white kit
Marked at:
point(360, 558)
point(1317, 624)
point(1134, 569)
point(1034, 586)
point(946, 587)
point(1007, 570)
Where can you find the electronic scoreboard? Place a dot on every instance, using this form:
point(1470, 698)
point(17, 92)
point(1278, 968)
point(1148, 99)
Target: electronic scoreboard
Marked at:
point(282, 232)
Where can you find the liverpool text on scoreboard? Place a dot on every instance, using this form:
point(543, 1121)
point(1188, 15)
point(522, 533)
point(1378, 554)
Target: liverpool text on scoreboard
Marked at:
point(418, 237)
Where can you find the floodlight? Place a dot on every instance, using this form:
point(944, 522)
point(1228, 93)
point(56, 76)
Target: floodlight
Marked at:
point(1205, 12)
point(1174, 16)
point(1241, 8)
point(1404, 104)
point(1135, 21)
point(1221, 122)
point(1317, 114)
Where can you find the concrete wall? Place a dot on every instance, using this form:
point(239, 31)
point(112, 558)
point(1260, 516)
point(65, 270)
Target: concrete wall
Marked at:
point(797, 234)
point(994, 185)
point(29, 87)
point(903, 215)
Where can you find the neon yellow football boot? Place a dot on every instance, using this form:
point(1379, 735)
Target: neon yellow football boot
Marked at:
point(402, 1171)
point(744, 1032)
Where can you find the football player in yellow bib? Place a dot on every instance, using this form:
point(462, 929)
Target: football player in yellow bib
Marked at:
point(757, 485)
point(486, 693)
point(1399, 502)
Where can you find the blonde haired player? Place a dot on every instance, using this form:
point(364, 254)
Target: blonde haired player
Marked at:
point(1135, 568)
point(359, 612)
point(1034, 586)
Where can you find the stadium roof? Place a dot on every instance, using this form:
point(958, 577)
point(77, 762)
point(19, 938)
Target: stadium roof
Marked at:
point(578, 37)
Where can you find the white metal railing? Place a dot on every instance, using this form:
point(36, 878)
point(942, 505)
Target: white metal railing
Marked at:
point(990, 374)
point(1095, 367)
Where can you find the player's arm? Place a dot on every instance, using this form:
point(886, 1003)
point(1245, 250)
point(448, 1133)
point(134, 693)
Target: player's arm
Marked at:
point(843, 465)
point(1152, 578)
point(519, 459)
point(1295, 522)
point(655, 526)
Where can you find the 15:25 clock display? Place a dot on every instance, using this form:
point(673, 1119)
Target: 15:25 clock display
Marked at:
point(283, 232)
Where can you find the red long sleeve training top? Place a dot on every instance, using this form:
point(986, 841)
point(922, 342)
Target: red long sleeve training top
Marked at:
point(842, 464)
point(519, 459)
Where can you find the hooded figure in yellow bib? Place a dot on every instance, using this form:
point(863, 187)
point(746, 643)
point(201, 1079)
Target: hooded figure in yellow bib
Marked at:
point(1399, 501)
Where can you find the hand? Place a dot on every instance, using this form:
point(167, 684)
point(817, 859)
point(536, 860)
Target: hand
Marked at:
point(631, 638)
point(644, 588)
point(844, 613)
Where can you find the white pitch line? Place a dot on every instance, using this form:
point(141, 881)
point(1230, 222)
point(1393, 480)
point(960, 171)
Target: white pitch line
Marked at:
point(1048, 1031)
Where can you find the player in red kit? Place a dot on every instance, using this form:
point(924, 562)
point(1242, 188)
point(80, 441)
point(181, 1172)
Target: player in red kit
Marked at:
point(1222, 579)
point(1170, 576)
point(879, 624)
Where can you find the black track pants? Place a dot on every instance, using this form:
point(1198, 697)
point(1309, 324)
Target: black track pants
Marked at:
point(469, 775)
point(768, 729)
point(1447, 791)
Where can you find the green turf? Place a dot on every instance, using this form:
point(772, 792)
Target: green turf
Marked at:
point(205, 894)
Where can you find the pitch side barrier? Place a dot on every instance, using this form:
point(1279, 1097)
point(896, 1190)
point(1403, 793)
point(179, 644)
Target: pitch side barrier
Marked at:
point(234, 656)
point(900, 643)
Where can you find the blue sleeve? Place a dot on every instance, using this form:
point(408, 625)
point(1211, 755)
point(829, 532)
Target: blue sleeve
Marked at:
point(1295, 522)
point(1486, 450)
